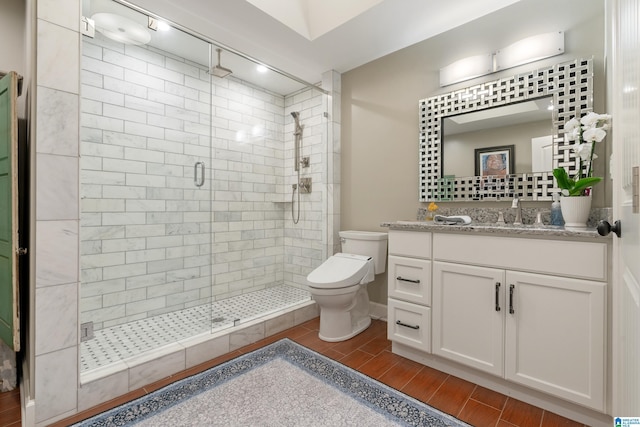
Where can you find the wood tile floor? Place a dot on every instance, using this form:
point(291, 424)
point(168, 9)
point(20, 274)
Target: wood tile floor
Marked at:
point(369, 353)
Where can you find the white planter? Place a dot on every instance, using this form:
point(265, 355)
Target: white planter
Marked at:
point(575, 211)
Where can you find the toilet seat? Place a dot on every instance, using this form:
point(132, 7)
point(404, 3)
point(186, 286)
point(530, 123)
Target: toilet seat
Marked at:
point(340, 271)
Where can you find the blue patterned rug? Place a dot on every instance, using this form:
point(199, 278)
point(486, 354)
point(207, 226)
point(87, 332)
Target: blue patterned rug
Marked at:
point(282, 384)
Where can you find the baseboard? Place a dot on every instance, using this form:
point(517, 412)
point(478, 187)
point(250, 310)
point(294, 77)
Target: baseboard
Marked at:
point(378, 311)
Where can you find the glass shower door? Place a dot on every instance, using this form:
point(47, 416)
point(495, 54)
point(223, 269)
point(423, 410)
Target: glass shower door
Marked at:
point(145, 186)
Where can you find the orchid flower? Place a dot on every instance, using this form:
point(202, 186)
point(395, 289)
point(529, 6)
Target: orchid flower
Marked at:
point(586, 132)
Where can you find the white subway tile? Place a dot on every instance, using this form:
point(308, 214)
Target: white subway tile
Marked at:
point(135, 205)
point(143, 79)
point(127, 114)
point(122, 192)
point(145, 255)
point(123, 218)
point(96, 65)
point(101, 95)
point(144, 54)
point(102, 205)
point(143, 130)
point(125, 270)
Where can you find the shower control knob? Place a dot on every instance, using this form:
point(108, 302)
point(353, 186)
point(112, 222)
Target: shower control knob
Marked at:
point(604, 228)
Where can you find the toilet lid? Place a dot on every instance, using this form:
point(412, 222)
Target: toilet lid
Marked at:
point(339, 271)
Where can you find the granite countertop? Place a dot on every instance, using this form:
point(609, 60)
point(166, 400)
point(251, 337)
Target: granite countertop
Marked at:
point(506, 229)
point(484, 220)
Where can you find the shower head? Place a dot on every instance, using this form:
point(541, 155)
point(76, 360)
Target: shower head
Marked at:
point(296, 117)
point(218, 70)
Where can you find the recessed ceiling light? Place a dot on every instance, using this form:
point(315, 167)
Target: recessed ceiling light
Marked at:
point(262, 69)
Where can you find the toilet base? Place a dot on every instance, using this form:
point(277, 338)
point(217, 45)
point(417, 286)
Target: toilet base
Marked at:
point(343, 316)
point(362, 325)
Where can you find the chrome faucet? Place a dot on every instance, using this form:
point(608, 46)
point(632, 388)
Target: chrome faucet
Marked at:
point(518, 207)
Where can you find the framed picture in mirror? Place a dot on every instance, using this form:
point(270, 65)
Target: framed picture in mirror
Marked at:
point(495, 161)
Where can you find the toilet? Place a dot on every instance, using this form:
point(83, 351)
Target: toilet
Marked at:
point(339, 285)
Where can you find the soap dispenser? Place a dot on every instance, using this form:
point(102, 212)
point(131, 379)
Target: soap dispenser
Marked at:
point(556, 212)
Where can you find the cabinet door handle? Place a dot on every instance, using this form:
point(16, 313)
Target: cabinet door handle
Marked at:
point(399, 322)
point(511, 290)
point(402, 279)
point(497, 296)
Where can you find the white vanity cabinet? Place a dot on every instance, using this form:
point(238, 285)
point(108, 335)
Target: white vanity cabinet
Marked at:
point(409, 279)
point(531, 311)
point(526, 311)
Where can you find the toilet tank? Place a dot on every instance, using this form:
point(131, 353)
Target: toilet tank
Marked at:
point(368, 243)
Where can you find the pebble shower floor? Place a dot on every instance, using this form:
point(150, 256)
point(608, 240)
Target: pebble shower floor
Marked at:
point(122, 341)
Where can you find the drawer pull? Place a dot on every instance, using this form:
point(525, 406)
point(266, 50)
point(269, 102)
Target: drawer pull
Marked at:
point(511, 310)
point(399, 322)
point(402, 279)
point(497, 296)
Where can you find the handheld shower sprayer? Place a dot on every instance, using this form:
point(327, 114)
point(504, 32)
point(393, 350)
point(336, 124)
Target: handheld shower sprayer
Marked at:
point(296, 117)
point(298, 140)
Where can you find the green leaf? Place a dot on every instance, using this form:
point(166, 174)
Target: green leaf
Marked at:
point(564, 182)
point(582, 184)
point(573, 187)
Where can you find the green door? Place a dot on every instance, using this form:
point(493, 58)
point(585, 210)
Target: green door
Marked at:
point(9, 324)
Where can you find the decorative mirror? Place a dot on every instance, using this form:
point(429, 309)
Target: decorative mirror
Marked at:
point(565, 89)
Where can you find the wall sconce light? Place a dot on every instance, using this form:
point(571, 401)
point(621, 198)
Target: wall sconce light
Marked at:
point(521, 52)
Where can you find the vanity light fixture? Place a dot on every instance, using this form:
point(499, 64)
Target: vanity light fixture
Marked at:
point(530, 49)
point(466, 68)
point(521, 52)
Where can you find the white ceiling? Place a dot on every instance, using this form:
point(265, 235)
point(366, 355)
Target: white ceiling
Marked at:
point(381, 29)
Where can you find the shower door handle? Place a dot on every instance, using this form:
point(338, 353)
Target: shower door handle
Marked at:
point(198, 181)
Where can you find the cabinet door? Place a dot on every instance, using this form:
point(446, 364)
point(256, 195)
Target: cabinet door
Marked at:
point(468, 315)
point(410, 279)
point(555, 336)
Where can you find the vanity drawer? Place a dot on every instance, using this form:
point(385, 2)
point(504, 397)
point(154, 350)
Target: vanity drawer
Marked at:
point(410, 243)
point(410, 279)
point(409, 324)
point(584, 260)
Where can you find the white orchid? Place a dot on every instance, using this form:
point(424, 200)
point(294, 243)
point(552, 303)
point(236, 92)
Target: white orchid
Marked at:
point(571, 126)
point(584, 151)
point(587, 131)
point(592, 120)
point(593, 135)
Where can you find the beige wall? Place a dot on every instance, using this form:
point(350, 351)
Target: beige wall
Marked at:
point(380, 105)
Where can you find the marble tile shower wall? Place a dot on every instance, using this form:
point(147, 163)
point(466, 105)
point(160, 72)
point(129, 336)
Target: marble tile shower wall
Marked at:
point(151, 241)
point(305, 243)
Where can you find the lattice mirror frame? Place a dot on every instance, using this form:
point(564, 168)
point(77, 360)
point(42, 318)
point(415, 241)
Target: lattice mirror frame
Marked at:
point(570, 84)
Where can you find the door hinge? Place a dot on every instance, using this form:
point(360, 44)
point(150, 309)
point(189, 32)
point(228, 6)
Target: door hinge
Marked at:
point(22, 251)
point(86, 331)
point(87, 27)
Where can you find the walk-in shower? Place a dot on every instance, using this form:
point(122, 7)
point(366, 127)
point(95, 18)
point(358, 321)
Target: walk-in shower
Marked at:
point(183, 191)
